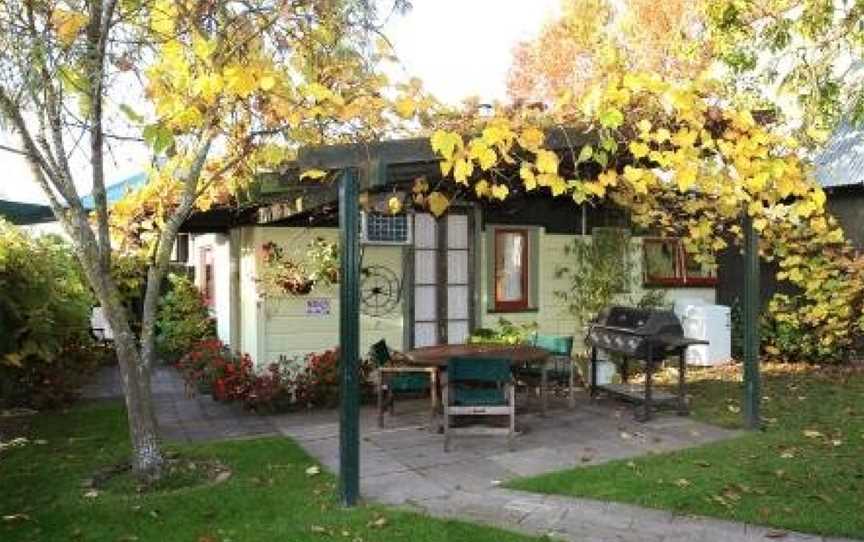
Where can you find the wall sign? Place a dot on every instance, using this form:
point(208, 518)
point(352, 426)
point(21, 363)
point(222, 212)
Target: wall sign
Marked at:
point(318, 306)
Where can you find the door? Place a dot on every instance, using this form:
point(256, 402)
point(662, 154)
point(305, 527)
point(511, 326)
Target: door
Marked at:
point(443, 282)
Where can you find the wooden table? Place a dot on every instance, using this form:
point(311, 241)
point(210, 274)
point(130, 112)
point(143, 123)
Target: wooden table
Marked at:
point(438, 356)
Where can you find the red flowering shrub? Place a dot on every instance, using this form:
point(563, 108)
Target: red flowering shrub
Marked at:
point(197, 365)
point(317, 382)
point(210, 367)
point(268, 391)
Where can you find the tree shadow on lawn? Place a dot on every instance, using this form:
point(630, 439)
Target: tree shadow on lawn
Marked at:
point(272, 493)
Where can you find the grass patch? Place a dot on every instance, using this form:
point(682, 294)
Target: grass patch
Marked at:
point(804, 472)
point(48, 493)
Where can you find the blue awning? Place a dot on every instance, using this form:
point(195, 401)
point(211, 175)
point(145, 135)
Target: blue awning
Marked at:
point(116, 191)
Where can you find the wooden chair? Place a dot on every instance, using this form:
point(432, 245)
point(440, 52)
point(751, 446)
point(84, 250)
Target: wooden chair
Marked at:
point(479, 387)
point(395, 379)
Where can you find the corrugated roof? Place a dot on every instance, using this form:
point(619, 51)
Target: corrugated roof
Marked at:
point(116, 191)
point(841, 162)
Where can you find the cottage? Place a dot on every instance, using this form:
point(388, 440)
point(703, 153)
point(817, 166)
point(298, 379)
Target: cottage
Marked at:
point(425, 280)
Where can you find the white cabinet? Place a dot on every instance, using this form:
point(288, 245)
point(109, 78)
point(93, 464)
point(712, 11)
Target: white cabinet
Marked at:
point(712, 323)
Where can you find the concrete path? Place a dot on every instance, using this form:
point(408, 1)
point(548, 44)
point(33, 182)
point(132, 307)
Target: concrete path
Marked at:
point(404, 464)
point(183, 418)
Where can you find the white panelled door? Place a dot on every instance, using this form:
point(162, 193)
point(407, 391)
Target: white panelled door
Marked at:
point(442, 279)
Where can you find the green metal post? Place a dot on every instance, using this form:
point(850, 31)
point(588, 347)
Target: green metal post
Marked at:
point(349, 339)
point(752, 394)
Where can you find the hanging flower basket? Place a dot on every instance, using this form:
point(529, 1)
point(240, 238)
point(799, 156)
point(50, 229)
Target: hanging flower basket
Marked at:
point(283, 276)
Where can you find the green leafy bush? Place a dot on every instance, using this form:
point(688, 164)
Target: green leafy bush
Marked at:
point(183, 319)
point(45, 305)
point(786, 336)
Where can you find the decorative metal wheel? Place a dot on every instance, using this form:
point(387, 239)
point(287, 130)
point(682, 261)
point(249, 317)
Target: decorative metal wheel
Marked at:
point(380, 290)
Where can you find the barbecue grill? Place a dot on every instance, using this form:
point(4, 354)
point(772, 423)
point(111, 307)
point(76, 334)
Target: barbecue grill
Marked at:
point(646, 335)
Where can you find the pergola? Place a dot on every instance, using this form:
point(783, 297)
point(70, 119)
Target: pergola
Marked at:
point(384, 166)
point(364, 167)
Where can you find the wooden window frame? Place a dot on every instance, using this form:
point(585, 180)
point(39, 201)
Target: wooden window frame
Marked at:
point(521, 304)
point(208, 276)
point(680, 279)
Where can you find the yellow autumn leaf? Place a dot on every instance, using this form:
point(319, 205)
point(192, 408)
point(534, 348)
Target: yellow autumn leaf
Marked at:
point(644, 126)
point(446, 166)
point(595, 188)
point(528, 177)
point(313, 174)
point(462, 169)
point(500, 191)
point(445, 143)
point(608, 178)
point(639, 149)
point(632, 174)
point(438, 203)
point(394, 204)
point(68, 24)
point(481, 188)
point(421, 185)
point(662, 135)
point(531, 138)
point(405, 107)
point(685, 177)
point(267, 82)
point(484, 154)
point(547, 162)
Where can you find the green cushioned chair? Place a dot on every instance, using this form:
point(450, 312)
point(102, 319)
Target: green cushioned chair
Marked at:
point(479, 387)
point(559, 370)
point(394, 379)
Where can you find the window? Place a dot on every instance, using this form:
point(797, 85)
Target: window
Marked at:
point(180, 254)
point(511, 270)
point(667, 263)
point(207, 281)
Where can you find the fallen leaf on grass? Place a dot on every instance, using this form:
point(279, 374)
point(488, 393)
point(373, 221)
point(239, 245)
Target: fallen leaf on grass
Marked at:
point(682, 482)
point(812, 433)
point(314, 470)
point(222, 476)
point(787, 455)
point(91, 494)
point(16, 517)
point(378, 523)
point(318, 529)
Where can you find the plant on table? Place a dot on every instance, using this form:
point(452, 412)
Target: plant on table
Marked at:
point(507, 333)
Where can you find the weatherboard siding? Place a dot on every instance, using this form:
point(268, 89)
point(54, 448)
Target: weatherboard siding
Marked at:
point(288, 331)
point(551, 313)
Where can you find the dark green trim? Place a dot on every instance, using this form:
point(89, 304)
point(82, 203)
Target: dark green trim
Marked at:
point(752, 394)
point(349, 339)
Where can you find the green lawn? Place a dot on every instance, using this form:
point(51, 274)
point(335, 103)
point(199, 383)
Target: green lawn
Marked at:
point(805, 472)
point(269, 496)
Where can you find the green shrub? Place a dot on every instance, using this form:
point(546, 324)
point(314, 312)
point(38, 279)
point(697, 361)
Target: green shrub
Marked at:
point(183, 319)
point(45, 305)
